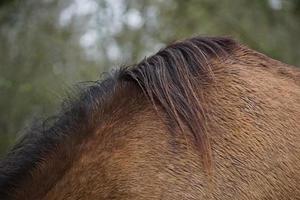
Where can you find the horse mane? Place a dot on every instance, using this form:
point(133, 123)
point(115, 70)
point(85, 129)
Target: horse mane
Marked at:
point(168, 79)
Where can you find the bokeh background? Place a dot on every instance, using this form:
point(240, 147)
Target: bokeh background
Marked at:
point(46, 46)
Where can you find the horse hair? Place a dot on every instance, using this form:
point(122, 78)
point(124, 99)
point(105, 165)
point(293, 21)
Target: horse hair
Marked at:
point(168, 79)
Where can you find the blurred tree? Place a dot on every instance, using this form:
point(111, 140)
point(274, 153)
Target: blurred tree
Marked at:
point(38, 60)
point(268, 26)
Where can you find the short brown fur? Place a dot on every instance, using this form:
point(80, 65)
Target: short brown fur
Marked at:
point(222, 123)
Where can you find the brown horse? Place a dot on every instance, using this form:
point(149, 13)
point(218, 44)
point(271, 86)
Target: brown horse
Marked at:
point(205, 118)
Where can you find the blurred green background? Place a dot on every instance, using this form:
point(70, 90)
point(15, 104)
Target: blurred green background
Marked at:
point(46, 46)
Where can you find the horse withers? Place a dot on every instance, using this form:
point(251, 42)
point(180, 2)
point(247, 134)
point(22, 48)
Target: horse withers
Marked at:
point(204, 118)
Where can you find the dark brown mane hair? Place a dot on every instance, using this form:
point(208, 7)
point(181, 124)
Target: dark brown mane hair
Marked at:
point(168, 79)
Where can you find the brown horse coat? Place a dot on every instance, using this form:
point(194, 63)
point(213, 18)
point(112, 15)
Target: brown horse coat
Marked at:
point(205, 118)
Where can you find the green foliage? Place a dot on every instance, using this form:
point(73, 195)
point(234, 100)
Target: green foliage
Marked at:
point(46, 46)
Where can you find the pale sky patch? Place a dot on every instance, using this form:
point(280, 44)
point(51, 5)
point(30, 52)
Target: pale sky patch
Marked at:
point(88, 39)
point(77, 8)
point(134, 19)
point(276, 4)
